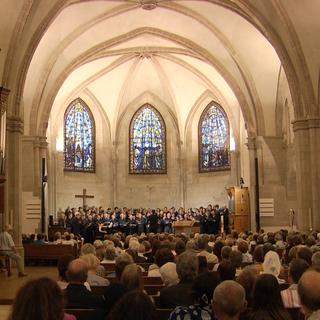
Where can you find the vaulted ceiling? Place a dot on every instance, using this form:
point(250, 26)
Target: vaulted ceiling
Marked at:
point(179, 50)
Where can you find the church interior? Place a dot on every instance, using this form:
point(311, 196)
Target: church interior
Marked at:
point(256, 61)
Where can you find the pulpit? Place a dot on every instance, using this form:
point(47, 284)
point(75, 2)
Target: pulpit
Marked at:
point(186, 227)
point(239, 207)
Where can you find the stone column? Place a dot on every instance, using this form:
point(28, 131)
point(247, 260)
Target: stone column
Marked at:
point(4, 94)
point(307, 145)
point(251, 144)
point(14, 176)
point(114, 173)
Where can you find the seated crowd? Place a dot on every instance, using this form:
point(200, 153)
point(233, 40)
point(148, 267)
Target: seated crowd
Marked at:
point(237, 276)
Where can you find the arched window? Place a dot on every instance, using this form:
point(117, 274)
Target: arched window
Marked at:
point(79, 138)
point(214, 139)
point(147, 142)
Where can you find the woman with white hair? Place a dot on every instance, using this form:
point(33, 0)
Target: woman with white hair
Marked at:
point(94, 279)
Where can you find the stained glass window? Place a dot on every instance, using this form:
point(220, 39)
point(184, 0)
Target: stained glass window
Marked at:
point(79, 138)
point(147, 142)
point(214, 139)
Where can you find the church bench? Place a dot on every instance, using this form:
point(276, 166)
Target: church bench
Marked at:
point(163, 314)
point(110, 267)
point(150, 289)
point(146, 280)
point(48, 251)
point(82, 314)
point(153, 289)
point(6, 262)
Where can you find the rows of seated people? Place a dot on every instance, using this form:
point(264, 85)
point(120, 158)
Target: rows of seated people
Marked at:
point(245, 276)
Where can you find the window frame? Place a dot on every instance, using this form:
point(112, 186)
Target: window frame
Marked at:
point(88, 110)
point(164, 143)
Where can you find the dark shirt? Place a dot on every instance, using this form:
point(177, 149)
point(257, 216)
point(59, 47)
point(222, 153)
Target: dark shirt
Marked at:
point(77, 296)
point(178, 295)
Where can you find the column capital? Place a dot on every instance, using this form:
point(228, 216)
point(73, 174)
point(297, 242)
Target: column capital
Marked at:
point(306, 124)
point(251, 143)
point(14, 124)
point(4, 94)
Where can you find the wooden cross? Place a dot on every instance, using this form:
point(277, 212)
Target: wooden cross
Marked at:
point(84, 196)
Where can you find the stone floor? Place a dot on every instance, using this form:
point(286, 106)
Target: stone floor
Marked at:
point(10, 285)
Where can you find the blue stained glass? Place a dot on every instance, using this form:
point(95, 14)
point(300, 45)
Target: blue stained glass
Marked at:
point(214, 139)
point(147, 142)
point(79, 147)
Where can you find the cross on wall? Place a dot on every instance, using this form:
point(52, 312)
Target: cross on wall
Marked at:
point(84, 197)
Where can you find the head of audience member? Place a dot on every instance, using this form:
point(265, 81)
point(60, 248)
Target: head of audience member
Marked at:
point(7, 228)
point(147, 246)
point(315, 260)
point(297, 268)
point(229, 300)
point(309, 291)
point(169, 274)
point(271, 263)
point(110, 253)
point(247, 278)
point(267, 247)
point(92, 262)
point(236, 258)
point(63, 264)
point(203, 264)
point(225, 252)
point(135, 305)
point(217, 248)
point(180, 247)
point(258, 256)
point(38, 299)
point(202, 243)
point(187, 266)
point(163, 256)
point(305, 253)
point(191, 245)
point(310, 241)
point(267, 298)
point(88, 248)
point(243, 246)
point(226, 270)
point(77, 272)
point(203, 287)
point(132, 277)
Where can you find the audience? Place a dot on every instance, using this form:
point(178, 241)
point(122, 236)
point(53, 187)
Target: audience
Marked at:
point(267, 302)
point(290, 297)
point(309, 292)
point(92, 263)
point(132, 277)
point(39, 299)
point(229, 300)
point(202, 291)
point(76, 294)
point(135, 305)
point(181, 262)
point(180, 294)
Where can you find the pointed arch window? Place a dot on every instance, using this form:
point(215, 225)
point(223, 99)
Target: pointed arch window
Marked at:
point(147, 135)
point(214, 139)
point(79, 137)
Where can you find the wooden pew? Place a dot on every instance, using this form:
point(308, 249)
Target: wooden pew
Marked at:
point(146, 280)
point(150, 289)
point(6, 262)
point(110, 267)
point(163, 314)
point(82, 314)
point(48, 251)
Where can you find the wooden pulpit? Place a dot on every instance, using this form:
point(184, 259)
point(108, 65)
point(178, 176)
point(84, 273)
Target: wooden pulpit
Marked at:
point(185, 226)
point(239, 208)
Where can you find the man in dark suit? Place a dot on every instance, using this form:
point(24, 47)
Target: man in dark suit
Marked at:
point(76, 294)
point(181, 294)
